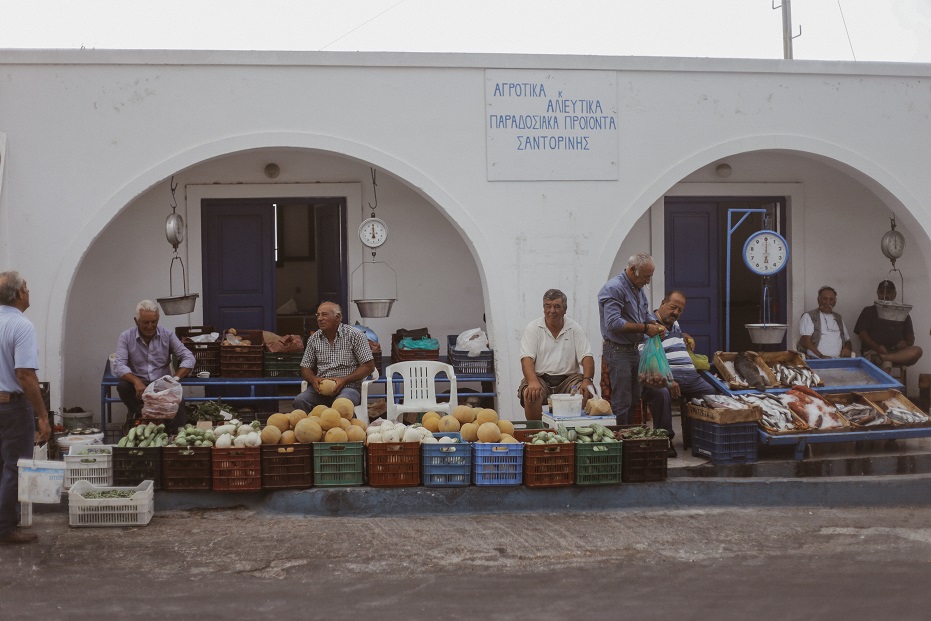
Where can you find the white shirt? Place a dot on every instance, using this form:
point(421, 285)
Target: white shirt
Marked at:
point(18, 347)
point(831, 341)
point(555, 356)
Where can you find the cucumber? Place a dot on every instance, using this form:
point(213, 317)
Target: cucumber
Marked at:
point(131, 435)
point(123, 441)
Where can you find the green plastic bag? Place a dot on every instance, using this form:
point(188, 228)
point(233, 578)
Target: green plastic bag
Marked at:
point(700, 361)
point(653, 371)
point(419, 344)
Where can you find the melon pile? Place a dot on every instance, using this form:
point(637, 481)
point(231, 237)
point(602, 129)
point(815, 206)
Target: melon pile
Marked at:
point(323, 424)
point(474, 424)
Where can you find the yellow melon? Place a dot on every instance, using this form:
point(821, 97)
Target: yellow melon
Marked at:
point(288, 437)
point(327, 387)
point(464, 414)
point(358, 422)
point(329, 418)
point(344, 424)
point(488, 432)
point(507, 439)
point(280, 421)
point(270, 435)
point(469, 432)
point(336, 435)
point(448, 423)
point(506, 426)
point(486, 415)
point(345, 407)
point(308, 430)
point(355, 434)
point(295, 417)
point(318, 409)
point(432, 423)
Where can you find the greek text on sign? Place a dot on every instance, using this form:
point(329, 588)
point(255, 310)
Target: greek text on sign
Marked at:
point(551, 125)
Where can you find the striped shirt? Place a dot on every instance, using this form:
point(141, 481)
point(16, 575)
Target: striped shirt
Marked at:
point(349, 350)
point(677, 354)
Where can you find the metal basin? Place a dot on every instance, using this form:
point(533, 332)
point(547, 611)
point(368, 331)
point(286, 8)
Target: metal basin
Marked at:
point(892, 311)
point(374, 308)
point(766, 333)
point(179, 304)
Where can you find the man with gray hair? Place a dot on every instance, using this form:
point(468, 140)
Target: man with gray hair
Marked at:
point(625, 316)
point(551, 350)
point(337, 352)
point(143, 354)
point(21, 404)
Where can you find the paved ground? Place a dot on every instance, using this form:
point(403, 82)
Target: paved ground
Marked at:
point(785, 563)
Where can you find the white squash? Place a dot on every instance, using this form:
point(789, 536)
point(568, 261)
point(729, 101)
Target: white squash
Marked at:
point(239, 442)
point(253, 439)
point(244, 430)
point(411, 435)
point(224, 441)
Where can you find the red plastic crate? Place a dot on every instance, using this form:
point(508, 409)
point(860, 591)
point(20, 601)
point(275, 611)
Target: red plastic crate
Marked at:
point(549, 465)
point(237, 469)
point(394, 464)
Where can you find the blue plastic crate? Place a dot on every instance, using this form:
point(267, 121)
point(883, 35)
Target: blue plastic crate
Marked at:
point(447, 465)
point(735, 443)
point(482, 364)
point(498, 464)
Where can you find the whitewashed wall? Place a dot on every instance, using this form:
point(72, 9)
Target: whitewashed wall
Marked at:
point(92, 138)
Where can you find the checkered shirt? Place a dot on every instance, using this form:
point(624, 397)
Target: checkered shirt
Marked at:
point(349, 350)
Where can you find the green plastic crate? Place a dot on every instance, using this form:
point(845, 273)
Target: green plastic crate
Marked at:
point(339, 463)
point(282, 365)
point(597, 467)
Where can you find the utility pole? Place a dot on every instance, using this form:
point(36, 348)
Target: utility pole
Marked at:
point(787, 28)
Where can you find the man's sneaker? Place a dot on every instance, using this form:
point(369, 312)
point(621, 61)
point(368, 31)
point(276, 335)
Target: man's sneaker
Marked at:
point(18, 536)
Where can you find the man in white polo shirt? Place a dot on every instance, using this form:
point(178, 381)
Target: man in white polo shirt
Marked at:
point(823, 333)
point(552, 349)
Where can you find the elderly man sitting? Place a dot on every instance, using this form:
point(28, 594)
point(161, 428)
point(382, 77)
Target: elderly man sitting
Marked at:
point(886, 342)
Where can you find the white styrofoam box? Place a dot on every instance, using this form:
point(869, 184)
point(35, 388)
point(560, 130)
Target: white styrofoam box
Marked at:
point(577, 421)
point(40, 481)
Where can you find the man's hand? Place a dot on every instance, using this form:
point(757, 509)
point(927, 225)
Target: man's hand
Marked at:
point(340, 384)
point(846, 351)
point(44, 432)
point(674, 391)
point(533, 392)
point(583, 390)
point(652, 329)
point(140, 387)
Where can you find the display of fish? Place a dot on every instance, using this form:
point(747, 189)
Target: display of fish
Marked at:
point(792, 375)
point(775, 414)
point(746, 368)
point(814, 409)
point(905, 416)
point(720, 402)
point(863, 415)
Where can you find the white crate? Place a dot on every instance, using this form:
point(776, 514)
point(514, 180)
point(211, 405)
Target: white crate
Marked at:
point(136, 510)
point(85, 463)
point(577, 421)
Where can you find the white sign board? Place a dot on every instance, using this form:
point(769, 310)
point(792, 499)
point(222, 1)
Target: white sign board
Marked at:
point(551, 125)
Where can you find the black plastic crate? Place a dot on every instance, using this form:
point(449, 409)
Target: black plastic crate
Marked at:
point(483, 364)
point(735, 443)
point(644, 460)
point(132, 466)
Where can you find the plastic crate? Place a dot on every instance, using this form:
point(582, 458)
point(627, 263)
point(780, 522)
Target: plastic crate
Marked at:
point(137, 510)
point(237, 469)
point(497, 464)
point(594, 466)
point(206, 355)
point(483, 364)
point(644, 460)
point(406, 355)
point(339, 463)
point(132, 466)
point(287, 466)
point(734, 443)
point(187, 468)
point(243, 360)
point(394, 464)
point(535, 425)
point(282, 365)
point(89, 462)
point(447, 465)
point(549, 465)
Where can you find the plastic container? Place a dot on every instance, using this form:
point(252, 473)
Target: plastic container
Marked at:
point(187, 468)
point(734, 443)
point(394, 464)
point(77, 420)
point(132, 466)
point(136, 510)
point(339, 463)
point(644, 460)
point(549, 465)
point(237, 469)
point(40, 481)
point(482, 364)
point(89, 462)
point(287, 466)
point(497, 464)
point(447, 465)
point(594, 466)
point(566, 405)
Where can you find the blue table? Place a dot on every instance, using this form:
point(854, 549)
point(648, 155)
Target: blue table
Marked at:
point(108, 382)
point(802, 440)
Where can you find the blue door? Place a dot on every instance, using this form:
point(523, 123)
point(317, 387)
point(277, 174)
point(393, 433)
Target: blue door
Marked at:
point(692, 266)
point(239, 264)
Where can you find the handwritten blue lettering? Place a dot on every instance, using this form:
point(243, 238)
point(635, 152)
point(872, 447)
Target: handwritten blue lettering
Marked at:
point(552, 143)
point(519, 89)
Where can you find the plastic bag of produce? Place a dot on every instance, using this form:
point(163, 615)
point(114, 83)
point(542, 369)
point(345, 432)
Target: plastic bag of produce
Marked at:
point(474, 341)
point(653, 371)
point(161, 398)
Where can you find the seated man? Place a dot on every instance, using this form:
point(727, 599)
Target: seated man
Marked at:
point(551, 350)
point(337, 352)
point(687, 381)
point(143, 354)
point(822, 331)
point(886, 342)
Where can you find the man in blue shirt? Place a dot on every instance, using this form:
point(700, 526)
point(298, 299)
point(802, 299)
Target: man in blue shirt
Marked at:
point(625, 319)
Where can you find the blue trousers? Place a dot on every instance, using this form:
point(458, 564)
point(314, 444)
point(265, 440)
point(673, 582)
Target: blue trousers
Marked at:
point(309, 399)
point(17, 437)
point(660, 401)
point(622, 371)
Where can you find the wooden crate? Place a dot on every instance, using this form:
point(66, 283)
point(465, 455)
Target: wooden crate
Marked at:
point(723, 416)
point(721, 358)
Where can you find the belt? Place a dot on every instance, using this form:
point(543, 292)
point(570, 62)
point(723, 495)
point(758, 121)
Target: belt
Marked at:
point(616, 345)
point(6, 397)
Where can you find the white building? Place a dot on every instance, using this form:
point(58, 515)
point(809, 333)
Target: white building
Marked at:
point(489, 203)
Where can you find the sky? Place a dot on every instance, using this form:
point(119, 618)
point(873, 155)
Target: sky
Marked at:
point(861, 30)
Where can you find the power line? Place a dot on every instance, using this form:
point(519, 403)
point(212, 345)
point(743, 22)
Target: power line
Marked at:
point(360, 26)
point(844, 19)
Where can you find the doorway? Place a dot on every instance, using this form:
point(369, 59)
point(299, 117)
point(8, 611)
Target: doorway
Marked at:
point(696, 262)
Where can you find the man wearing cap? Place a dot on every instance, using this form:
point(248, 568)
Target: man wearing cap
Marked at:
point(883, 341)
point(822, 331)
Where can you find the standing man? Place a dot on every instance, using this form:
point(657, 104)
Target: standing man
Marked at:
point(686, 380)
point(551, 350)
point(823, 333)
point(338, 352)
point(20, 398)
point(143, 354)
point(625, 319)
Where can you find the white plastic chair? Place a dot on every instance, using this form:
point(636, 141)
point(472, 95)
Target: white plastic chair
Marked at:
point(419, 387)
point(362, 410)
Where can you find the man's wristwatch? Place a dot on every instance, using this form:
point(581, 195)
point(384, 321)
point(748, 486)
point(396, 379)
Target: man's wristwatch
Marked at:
point(177, 379)
point(588, 379)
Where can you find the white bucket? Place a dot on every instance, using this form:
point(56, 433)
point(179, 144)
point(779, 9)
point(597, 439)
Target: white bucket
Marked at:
point(566, 405)
point(41, 481)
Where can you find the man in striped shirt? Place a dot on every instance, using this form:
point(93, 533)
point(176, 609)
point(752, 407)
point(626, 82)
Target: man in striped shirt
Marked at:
point(687, 382)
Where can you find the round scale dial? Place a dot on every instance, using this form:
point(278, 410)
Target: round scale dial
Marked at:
point(893, 244)
point(373, 232)
point(766, 253)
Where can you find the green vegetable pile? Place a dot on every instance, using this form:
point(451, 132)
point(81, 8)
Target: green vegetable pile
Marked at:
point(110, 493)
point(190, 435)
point(208, 410)
point(145, 436)
point(639, 433)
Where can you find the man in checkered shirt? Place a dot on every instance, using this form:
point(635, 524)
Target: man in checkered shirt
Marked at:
point(338, 352)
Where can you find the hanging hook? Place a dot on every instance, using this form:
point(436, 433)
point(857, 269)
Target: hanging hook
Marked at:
point(374, 193)
point(173, 186)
